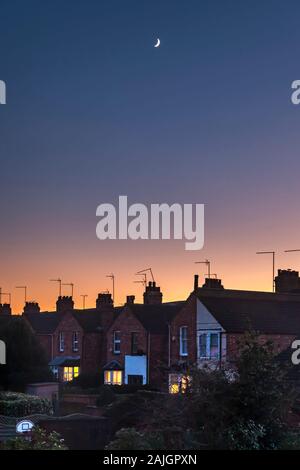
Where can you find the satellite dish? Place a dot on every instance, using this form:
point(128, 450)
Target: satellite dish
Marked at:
point(24, 426)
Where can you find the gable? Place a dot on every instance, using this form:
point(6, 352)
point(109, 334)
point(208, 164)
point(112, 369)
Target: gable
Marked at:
point(205, 320)
point(68, 322)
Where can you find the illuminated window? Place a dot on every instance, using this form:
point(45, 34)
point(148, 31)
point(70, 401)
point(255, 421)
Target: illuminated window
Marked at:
point(75, 341)
point(113, 377)
point(178, 383)
point(209, 345)
point(70, 373)
point(117, 342)
point(61, 342)
point(183, 341)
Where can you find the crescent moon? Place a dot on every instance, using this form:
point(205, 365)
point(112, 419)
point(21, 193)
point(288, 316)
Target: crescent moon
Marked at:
point(158, 43)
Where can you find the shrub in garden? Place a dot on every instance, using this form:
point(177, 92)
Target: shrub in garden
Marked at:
point(19, 404)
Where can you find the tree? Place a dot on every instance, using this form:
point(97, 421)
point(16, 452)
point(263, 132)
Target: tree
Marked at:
point(37, 439)
point(25, 359)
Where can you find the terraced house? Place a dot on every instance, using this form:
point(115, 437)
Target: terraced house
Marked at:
point(158, 342)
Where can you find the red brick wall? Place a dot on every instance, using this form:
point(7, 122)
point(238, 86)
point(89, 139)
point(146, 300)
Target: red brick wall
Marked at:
point(126, 323)
point(67, 325)
point(186, 317)
point(93, 354)
point(280, 343)
point(46, 343)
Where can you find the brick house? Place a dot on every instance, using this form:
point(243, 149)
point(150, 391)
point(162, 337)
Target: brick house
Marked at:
point(151, 343)
point(74, 340)
point(224, 315)
point(156, 343)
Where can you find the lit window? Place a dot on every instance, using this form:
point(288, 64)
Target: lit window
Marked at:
point(113, 377)
point(183, 341)
point(178, 383)
point(117, 342)
point(70, 373)
point(61, 342)
point(75, 341)
point(209, 345)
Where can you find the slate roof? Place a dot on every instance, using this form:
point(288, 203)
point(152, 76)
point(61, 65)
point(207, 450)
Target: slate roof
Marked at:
point(44, 322)
point(65, 361)
point(239, 311)
point(155, 318)
point(47, 322)
point(90, 319)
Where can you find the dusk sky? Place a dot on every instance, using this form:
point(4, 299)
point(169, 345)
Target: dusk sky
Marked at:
point(94, 111)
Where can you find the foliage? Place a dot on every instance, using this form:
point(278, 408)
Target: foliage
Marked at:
point(86, 381)
point(106, 396)
point(244, 436)
point(244, 409)
point(129, 439)
point(291, 441)
point(26, 359)
point(19, 404)
point(37, 439)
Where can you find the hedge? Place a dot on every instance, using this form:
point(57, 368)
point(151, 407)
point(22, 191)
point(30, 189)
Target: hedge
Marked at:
point(19, 404)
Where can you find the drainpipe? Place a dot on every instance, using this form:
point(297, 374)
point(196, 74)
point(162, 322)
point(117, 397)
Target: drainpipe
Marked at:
point(220, 350)
point(169, 347)
point(148, 359)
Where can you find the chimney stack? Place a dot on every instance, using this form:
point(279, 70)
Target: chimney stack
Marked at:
point(212, 283)
point(5, 309)
point(105, 305)
point(64, 303)
point(287, 281)
point(196, 282)
point(104, 301)
point(130, 299)
point(152, 294)
point(31, 307)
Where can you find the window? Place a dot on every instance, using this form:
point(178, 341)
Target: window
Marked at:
point(113, 377)
point(135, 380)
point(209, 345)
point(117, 342)
point(75, 341)
point(54, 371)
point(61, 342)
point(183, 341)
point(70, 373)
point(178, 383)
point(134, 343)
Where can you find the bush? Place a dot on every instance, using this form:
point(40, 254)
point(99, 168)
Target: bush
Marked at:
point(86, 381)
point(106, 396)
point(19, 405)
point(39, 440)
point(125, 388)
point(26, 359)
point(129, 439)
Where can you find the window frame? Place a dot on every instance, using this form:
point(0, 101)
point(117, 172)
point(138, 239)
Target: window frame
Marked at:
point(208, 334)
point(116, 342)
point(134, 342)
point(75, 340)
point(111, 377)
point(61, 341)
point(183, 340)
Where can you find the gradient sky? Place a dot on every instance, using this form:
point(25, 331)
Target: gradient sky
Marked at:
point(94, 111)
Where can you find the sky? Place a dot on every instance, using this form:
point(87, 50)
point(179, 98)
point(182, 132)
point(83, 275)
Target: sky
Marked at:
point(94, 111)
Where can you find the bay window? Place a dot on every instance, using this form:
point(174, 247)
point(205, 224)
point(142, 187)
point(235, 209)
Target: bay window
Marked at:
point(209, 345)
